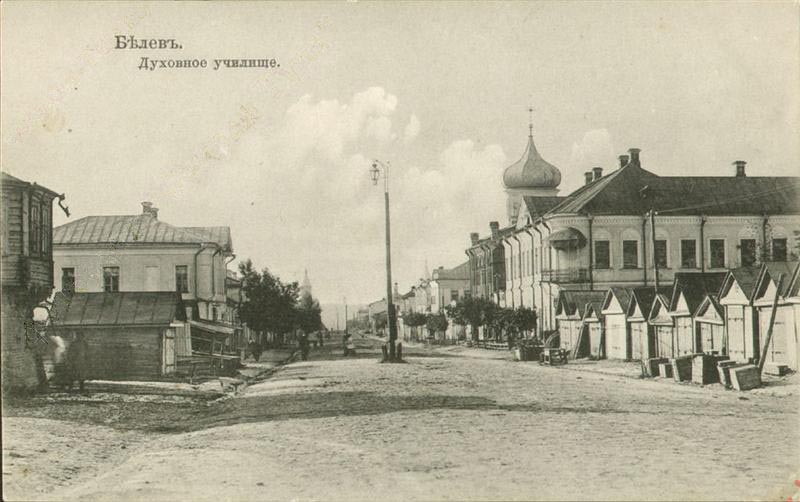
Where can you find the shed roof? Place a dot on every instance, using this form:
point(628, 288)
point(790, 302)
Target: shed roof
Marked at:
point(770, 271)
point(572, 302)
point(745, 277)
point(9, 180)
point(538, 205)
point(644, 297)
point(117, 309)
point(694, 286)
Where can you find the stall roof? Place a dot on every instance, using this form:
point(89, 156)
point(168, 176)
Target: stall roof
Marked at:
point(115, 309)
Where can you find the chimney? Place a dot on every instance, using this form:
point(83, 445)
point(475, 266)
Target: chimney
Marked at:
point(495, 227)
point(740, 168)
point(597, 173)
point(147, 208)
point(474, 237)
point(634, 153)
point(587, 177)
point(623, 160)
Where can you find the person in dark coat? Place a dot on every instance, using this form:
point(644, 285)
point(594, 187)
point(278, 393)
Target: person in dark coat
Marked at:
point(77, 362)
point(304, 346)
point(255, 349)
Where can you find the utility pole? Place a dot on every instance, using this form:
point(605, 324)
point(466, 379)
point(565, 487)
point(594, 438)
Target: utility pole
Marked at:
point(653, 238)
point(390, 310)
point(345, 315)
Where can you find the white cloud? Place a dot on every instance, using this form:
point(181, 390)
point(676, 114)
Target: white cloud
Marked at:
point(412, 129)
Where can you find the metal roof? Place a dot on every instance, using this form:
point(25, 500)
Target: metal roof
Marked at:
point(116, 309)
point(136, 229)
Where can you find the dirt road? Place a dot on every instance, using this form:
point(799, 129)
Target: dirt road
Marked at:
point(454, 424)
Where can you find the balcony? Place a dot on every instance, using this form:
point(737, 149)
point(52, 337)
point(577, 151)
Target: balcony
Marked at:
point(566, 275)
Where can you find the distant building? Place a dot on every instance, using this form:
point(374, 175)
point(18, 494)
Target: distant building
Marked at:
point(27, 277)
point(604, 234)
point(449, 285)
point(140, 253)
point(305, 286)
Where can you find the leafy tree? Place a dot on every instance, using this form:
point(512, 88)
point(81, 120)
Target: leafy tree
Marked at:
point(436, 322)
point(309, 314)
point(270, 305)
point(474, 312)
point(414, 320)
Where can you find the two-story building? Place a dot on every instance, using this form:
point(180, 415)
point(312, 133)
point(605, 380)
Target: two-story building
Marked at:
point(448, 285)
point(486, 259)
point(27, 278)
point(632, 227)
point(140, 252)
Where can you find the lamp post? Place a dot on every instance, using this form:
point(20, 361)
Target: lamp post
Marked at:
point(375, 174)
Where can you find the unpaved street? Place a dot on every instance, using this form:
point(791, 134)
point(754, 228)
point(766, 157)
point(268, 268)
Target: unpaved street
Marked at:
point(451, 424)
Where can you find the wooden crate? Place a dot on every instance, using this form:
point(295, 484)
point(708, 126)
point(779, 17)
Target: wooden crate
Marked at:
point(704, 368)
point(651, 366)
point(777, 369)
point(745, 377)
point(724, 371)
point(682, 368)
point(665, 369)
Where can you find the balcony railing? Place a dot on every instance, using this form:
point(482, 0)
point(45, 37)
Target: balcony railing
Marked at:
point(566, 275)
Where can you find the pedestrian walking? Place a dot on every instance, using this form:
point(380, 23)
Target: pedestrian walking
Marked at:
point(255, 349)
point(304, 346)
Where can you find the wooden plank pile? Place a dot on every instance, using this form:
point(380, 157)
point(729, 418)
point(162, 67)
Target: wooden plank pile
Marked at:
point(651, 366)
point(745, 377)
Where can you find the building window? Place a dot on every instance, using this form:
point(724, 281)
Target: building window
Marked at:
point(182, 278)
point(630, 254)
point(68, 280)
point(717, 253)
point(747, 252)
point(602, 255)
point(661, 253)
point(110, 279)
point(688, 253)
point(779, 249)
point(35, 226)
point(213, 313)
point(45, 229)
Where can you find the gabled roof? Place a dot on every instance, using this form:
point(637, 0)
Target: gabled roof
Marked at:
point(116, 309)
point(456, 273)
point(658, 311)
point(644, 296)
point(633, 190)
point(136, 229)
point(770, 271)
point(594, 310)
point(574, 302)
point(744, 277)
point(710, 301)
point(694, 286)
point(623, 296)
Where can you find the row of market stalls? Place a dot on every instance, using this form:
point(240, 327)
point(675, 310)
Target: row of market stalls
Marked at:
point(717, 313)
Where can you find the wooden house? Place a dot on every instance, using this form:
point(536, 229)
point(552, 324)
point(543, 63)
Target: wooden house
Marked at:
point(741, 340)
point(26, 277)
point(710, 326)
point(129, 335)
point(642, 333)
point(783, 348)
point(570, 311)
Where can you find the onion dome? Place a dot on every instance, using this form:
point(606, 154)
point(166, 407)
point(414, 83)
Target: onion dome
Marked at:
point(531, 171)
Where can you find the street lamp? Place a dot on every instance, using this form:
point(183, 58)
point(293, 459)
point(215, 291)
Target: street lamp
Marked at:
point(375, 174)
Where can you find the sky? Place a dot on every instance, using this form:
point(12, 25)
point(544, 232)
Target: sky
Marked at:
point(439, 91)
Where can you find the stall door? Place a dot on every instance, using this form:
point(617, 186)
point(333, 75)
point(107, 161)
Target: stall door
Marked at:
point(168, 352)
point(683, 336)
point(595, 339)
point(639, 345)
point(710, 337)
point(664, 344)
point(616, 337)
point(777, 350)
point(566, 331)
point(737, 343)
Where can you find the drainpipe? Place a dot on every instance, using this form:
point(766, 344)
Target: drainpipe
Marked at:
point(549, 282)
point(591, 257)
point(702, 244)
point(644, 248)
point(213, 276)
point(764, 239)
point(541, 288)
point(653, 234)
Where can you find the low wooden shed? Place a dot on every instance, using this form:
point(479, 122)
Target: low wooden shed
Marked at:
point(615, 318)
point(688, 291)
point(740, 317)
point(128, 336)
point(783, 348)
point(710, 326)
point(570, 312)
point(663, 327)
